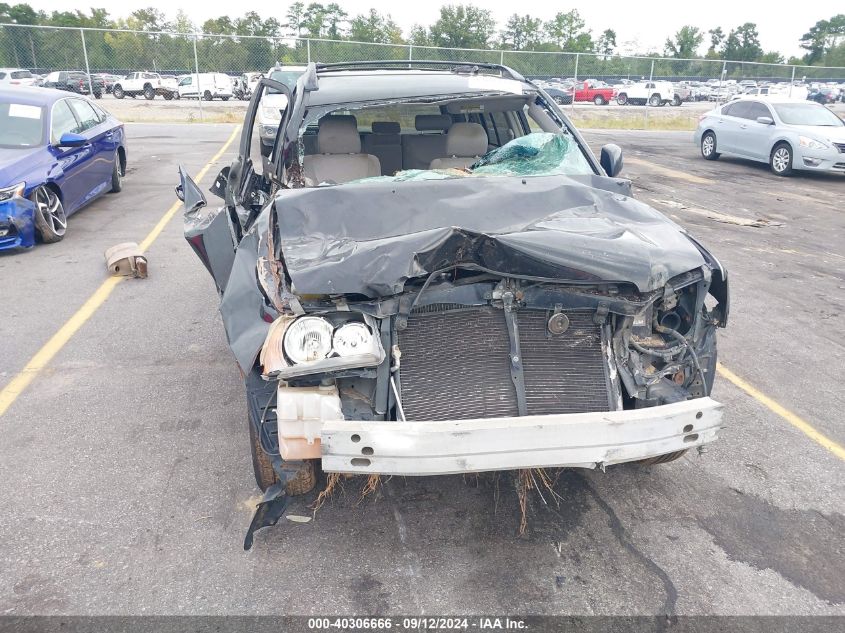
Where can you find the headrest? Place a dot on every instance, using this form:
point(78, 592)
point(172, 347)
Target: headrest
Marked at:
point(386, 127)
point(429, 122)
point(338, 135)
point(466, 139)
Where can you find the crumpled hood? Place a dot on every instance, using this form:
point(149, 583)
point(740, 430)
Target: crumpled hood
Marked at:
point(370, 238)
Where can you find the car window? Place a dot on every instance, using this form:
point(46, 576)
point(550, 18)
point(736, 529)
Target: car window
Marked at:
point(741, 109)
point(102, 115)
point(807, 114)
point(758, 110)
point(21, 125)
point(64, 121)
point(2, 75)
point(85, 113)
point(187, 81)
point(21, 74)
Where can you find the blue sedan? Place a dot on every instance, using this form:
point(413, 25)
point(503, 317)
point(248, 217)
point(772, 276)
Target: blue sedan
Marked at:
point(57, 154)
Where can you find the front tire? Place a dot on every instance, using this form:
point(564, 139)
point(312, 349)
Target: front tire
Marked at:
point(654, 100)
point(676, 100)
point(661, 459)
point(708, 146)
point(50, 218)
point(149, 93)
point(781, 160)
point(303, 473)
point(206, 96)
point(118, 92)
point(622, 99)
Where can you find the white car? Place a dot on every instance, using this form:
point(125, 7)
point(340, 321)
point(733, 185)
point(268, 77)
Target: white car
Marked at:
point(16, 77)
point(785, 133)
point(144, 83)
point(273, 103)
point(206, 85)
point(654, 93)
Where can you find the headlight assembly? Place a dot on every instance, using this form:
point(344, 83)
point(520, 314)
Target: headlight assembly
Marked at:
point(312, 345)
point(7, 193)
point(811, 143)
point(308, 339)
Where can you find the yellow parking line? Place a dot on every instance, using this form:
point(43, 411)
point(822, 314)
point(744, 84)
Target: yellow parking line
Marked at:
point(666, 171)
point(802, 425)
point(52, 347)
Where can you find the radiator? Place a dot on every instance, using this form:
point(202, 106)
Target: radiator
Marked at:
point(455, 365)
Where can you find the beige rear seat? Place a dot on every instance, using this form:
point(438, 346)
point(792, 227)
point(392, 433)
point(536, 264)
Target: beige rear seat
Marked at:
point(465, 143)
point(418, 150)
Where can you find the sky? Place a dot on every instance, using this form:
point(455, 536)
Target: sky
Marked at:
point(638, 25)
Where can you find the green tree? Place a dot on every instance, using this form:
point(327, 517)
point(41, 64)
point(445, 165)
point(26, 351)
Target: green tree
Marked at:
point(375, 27)
point(419, 36)
point(685, 43)
point(522, 32)
point(295, 18)
point(742, 44)
point(222, 25)
point(717, 36)
point(823, 37)
point(606, 44)
point(462, 26)
point(567, 32)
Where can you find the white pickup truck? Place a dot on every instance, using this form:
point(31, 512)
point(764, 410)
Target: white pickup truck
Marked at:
point(654, 93)
point(147, 84)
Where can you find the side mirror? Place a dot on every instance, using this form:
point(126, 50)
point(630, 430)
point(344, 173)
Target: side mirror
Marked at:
point(765, 120)
point(611, 159)
point(72, 140)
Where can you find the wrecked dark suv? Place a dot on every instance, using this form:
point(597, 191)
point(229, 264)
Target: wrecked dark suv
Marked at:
point(433, 274)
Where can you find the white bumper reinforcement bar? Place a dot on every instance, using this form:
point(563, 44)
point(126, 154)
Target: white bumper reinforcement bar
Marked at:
point(586, 440)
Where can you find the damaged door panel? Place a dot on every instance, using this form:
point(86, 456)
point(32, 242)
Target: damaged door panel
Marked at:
point(511, 308)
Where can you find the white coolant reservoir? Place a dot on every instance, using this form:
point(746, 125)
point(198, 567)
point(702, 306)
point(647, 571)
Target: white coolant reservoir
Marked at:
point(300, 412)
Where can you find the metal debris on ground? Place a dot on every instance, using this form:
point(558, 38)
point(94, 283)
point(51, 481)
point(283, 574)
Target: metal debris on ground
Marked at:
point(126, 260)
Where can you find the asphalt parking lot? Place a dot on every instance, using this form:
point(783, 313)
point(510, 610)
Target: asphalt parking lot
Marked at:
point(125, 473)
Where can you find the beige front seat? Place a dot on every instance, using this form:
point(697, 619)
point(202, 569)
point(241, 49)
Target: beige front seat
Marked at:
point(339, 158)
point(465, 143)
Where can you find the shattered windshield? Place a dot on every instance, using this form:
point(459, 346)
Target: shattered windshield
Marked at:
point(535, 154)
point(469, 136)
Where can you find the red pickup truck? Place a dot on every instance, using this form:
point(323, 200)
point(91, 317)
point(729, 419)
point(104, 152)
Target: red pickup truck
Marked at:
point(596, 91)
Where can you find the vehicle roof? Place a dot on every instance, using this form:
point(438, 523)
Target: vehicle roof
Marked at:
point(770, 98)
point(350, 86)
point(33, 96)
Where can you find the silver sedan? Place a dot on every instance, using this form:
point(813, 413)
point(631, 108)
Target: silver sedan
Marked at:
point(786, 134)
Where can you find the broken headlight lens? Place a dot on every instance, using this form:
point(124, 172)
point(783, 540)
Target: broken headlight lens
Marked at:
point(308, 339)
point(8, 193)
point(353, 339)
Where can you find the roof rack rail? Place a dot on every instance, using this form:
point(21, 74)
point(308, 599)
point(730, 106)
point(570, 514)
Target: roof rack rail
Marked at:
point(464, 67)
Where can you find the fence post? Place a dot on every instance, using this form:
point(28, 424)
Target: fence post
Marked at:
point(575, 85)
point(410, 52)
point(502, 57)
point(647, 97)
point(792, 82)
point(308, 46)
point(87, 70)
point(722, 76)
point(197, 68)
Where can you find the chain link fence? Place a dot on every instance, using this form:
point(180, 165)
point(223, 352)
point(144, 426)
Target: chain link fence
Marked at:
point(43, 50)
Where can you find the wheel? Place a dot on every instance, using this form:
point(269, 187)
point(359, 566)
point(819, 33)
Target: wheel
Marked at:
point(622, 99)
point(225, 98)
point(206, 96)
point(599, 100)
point(116, 175)
point(654, 100)
point(708, 146)
point(558, 100)
point(661, 459)
point(781, 160)
point(149, 93)
point(303, 473)
point(50, 218)
point(118, 92)
point(168, 96)
point(676, 100)
point(98, 94)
